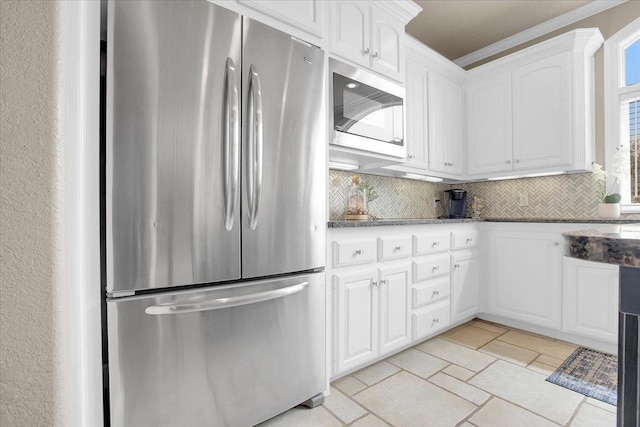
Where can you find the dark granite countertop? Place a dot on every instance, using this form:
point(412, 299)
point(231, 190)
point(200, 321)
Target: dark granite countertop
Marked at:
point(612, 244)
point(397, 221)
point(419, 221)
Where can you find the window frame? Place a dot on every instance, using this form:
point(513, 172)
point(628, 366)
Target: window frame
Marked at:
point(613, 92)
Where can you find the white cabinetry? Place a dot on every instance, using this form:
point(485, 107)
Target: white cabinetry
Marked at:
point(489, 142)
point(590, 299)
point(304, 14)
point(542, 113)
point(525, 276)
point(533, 111)
point(371, 35)
point(445, 125)
point(465, 285)
point(395, 305)
point(417, 119)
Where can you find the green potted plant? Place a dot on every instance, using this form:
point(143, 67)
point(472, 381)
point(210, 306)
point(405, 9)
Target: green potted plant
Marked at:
point(609, 207)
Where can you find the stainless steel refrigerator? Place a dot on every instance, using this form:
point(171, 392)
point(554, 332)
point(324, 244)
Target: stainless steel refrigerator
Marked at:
point(215, 217)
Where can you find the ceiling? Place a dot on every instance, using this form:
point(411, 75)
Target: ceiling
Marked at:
point(455, 28)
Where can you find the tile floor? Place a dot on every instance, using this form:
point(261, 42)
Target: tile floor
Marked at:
point(478, 374)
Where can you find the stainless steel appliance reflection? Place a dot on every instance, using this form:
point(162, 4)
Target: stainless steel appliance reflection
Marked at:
point(215, 234)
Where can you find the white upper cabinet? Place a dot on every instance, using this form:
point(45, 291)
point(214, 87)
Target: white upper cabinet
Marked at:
point(304, 14)
point(371, 34)
point(445, 126)
point(417, 120)
point(542, 113)
point(489, 142)
point(533, 111)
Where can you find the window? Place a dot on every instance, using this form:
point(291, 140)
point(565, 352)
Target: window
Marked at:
point(622, 110)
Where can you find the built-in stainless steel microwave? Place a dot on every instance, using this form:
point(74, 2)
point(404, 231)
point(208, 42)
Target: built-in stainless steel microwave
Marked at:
point(367, 111)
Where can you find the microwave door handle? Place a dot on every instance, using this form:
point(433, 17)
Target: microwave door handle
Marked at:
point(220, 303)
point(255, 136)
point(231, 144)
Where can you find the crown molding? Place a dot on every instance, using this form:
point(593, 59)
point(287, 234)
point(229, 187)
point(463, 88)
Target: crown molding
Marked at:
point(404, 10)
point(556, 23)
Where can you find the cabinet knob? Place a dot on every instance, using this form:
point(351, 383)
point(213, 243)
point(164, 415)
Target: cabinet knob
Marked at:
point(374, 282)
point(434, 244)
point(517, 161)
point(376, 55)
point(555, 244)
point(366, 51)
point(358, 252)
point(456, 266)
point(397, 248)
point(508, 162)
point(435, 268)
point(436, 321)
point(383, 281)
point(435, 293)
point(411, 156)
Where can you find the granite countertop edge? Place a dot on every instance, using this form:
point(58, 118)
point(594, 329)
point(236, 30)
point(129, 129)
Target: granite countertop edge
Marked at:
point(338, 223)
point(610, 244)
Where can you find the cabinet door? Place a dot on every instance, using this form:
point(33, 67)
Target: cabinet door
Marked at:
point(395, 327)
point(590, 299)
point(437, 90)
point(489, 125)
point(387, 45)
point(303, 14)
point(465, 286)
point(350, 31)
point(416, 110)
point(357, 318)
point(525, 276)
point(542, 113)
point(445, 125)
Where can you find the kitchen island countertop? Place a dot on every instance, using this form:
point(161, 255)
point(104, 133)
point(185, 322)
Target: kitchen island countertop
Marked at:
point(341, 223)
point(613, 244)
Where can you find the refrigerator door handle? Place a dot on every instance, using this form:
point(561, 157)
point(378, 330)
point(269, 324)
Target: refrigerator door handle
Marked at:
point(255, 139)
point(219, 303)
point(231, 134)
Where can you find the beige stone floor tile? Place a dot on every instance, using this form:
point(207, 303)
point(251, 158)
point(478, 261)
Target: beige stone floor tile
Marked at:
point(488, 326)
point(602, 405)
point(499, 413)
point(303, 417)
point(370, 421)
point(541, 368)
point(511, 353)
point(454, 353)
point(466, 424)
point(462, 389)
point(551, 361)
point(458, 372)
point(422, 364)
point(538, 344)
point(591, 416)
point(342, 407)
point(395, 401)
point(349, 385)
point(470, 336)
point(375, 373)
point(529, 390)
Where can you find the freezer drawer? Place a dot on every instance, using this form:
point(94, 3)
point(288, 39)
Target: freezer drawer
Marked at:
point(219, 356)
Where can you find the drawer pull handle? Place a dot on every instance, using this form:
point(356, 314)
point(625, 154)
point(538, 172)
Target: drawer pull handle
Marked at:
point(436, 321)
point(434, 244)
point(469, 240)
point(435, 293)
point(435, 268)
point(358, 252)
point(398, 248)
point(383, 281)
point(374, 282)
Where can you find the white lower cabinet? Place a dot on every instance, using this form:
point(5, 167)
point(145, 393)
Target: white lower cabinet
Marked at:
point(357, 318)
point(465, 285)
point(525, 276)
point(395, 329)
point(590, 299)
point(430, 320)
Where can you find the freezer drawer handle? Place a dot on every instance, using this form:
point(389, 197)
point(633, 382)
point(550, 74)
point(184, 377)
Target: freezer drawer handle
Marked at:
point(231, 144)
point(219, 303)
point(255, 136)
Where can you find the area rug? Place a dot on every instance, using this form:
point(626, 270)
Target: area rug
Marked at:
point(591, 373)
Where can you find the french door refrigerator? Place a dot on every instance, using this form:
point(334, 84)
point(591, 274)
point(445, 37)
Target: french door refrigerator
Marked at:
point(215, 217)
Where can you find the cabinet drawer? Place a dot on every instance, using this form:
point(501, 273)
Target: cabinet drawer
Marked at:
point(429, 292)
point(430, 268)
point(467, 239)
point(393, 248)
point(430, 320)
point(353, 253)
point(429, 244)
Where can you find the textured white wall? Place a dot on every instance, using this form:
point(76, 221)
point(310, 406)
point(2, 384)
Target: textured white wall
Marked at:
point(29, 151)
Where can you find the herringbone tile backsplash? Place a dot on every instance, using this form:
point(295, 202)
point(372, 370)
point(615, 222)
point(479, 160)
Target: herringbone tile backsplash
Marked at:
point(563, 196)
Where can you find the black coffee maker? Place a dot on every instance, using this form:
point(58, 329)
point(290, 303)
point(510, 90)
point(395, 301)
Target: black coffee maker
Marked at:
point(457, 203)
